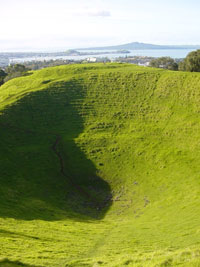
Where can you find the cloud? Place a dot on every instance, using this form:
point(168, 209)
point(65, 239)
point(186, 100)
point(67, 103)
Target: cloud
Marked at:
point(99, 13)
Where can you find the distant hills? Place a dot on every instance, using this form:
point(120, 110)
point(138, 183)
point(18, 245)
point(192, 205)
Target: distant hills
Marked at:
point(142, 46)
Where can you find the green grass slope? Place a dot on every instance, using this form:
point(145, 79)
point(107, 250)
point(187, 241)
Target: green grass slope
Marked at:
point(100, 166)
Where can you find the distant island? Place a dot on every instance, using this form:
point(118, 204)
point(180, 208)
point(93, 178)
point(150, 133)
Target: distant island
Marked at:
point(72, 52)
point(141, 46)
point(104, 53)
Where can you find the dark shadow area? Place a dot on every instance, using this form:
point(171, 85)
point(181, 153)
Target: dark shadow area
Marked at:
point(8, 263)
point(29, 73)
point(44, 174)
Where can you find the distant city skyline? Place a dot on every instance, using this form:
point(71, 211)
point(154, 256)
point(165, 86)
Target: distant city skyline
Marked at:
point(49, 25)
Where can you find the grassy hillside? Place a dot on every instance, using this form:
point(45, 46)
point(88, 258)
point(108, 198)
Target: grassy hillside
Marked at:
point(100, 167)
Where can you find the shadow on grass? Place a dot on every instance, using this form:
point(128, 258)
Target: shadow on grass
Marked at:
point(45, 175)
point(8, 263)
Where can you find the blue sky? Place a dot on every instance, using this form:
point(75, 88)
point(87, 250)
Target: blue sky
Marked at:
point(60, 24)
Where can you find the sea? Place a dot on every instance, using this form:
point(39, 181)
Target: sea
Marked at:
point(173, 53)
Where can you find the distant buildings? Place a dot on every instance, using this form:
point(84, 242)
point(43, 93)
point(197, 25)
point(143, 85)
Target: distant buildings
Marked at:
point(97, 59)
point(91, 59)
point(139, 60)
point(146, 64)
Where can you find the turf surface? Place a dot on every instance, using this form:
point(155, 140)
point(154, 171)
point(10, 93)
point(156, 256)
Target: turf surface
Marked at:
point(100, 167)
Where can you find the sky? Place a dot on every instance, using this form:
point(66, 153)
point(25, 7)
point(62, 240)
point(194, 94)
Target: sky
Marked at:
point(57, 25)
